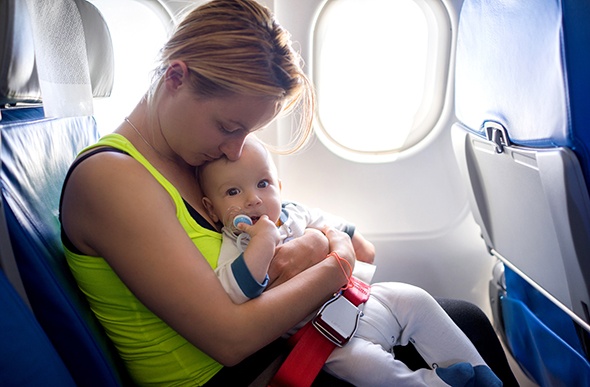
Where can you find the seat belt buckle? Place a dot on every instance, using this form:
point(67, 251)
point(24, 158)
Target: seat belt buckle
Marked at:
point(337, 320)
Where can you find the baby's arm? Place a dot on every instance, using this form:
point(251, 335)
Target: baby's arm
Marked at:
point(264, 238)
point(363, 249)
point(243, 275)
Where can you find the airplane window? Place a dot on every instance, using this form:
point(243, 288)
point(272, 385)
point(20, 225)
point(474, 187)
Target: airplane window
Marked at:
point(380, 75)
point(137, 33)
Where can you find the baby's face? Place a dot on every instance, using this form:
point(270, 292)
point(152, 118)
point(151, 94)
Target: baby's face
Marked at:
point(250, 184)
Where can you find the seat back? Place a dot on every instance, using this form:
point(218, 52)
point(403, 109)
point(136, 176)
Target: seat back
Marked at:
point(36, 152)
point(27, 357)
point(35, 156)
point(522, 75)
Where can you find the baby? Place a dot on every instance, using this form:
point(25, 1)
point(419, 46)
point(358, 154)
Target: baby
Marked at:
point(395, 313)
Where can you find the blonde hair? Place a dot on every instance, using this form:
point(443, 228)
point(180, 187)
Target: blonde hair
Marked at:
point(237, 47)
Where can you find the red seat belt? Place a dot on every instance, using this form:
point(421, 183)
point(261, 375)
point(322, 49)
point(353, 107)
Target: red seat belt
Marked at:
point(312, 347)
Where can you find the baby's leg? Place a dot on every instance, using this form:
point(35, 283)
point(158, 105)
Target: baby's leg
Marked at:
point(397, 314)
point(405, 313)
point(363, 363)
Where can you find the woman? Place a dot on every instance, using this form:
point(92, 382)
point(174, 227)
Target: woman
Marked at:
point(137, 238)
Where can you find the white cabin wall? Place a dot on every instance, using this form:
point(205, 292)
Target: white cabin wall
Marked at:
point(414, 209)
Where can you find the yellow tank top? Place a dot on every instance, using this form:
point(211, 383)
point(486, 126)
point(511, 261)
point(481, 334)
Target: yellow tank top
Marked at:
point(152, 351)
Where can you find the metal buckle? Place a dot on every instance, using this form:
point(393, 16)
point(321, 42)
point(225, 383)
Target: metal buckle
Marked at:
point(337, 320)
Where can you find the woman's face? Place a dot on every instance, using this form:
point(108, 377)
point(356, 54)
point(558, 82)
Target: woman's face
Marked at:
point(204, 129)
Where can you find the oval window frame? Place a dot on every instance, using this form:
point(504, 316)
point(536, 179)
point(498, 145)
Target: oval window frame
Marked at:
point(434, 91)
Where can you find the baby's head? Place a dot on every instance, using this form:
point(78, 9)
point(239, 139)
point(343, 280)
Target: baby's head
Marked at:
point(250, 184)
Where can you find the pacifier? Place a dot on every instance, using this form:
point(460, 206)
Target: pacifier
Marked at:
point(241, 218)
point(234, 216)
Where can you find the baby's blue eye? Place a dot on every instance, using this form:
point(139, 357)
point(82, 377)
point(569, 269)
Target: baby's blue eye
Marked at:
point(263, 184)
point(232, 191)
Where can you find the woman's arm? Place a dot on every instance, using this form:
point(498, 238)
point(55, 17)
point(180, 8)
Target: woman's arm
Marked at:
point(298, 255)
point(115, 209)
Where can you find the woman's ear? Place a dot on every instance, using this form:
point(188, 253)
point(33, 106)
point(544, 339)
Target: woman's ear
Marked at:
point(176, 74)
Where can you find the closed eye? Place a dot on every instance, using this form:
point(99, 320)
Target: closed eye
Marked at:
point(225, 130)
point(230, 131)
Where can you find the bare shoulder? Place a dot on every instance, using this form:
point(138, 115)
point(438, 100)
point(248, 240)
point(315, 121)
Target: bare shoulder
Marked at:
point(115, 209)
point(105, 192)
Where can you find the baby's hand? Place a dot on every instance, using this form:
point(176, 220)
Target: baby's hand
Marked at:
point(264, 228)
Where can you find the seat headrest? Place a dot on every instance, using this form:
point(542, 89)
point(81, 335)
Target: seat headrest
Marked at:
point(525, 65)
point(19, 81)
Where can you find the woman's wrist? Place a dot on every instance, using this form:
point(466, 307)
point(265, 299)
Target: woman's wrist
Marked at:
point(340, 243)
point(336, 272)
point(345, 266)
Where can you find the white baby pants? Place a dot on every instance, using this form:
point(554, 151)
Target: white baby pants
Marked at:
point(397, 314)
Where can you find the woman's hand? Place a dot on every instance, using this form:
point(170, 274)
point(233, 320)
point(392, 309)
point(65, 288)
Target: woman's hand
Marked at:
point(341, 244)
point(299, 254)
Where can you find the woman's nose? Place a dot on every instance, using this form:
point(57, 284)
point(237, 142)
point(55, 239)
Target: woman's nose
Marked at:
point(232, 149)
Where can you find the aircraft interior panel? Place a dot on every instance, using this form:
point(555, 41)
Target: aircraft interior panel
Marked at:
point(457, 144)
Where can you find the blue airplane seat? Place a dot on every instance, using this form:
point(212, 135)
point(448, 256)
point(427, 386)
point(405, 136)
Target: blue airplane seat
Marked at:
point(521, 141)
point(36, 152)
point(27, 357)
